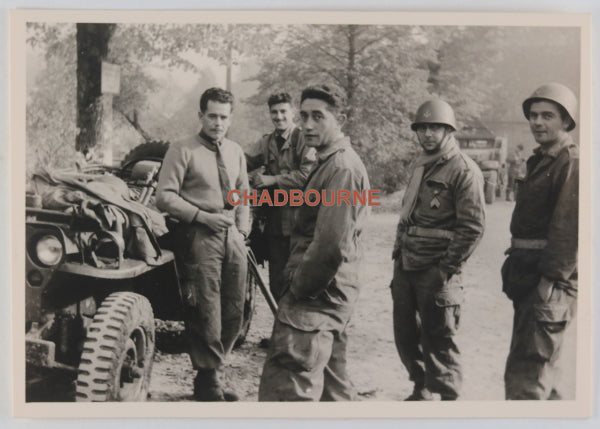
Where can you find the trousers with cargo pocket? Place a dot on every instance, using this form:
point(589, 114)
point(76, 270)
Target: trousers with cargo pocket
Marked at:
point(533, 365)
point(306, 366)
point(426, 317)
point(212, 268)
point(307, 357)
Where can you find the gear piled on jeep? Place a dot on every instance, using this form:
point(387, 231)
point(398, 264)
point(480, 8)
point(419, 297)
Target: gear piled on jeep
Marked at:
point(122, 226)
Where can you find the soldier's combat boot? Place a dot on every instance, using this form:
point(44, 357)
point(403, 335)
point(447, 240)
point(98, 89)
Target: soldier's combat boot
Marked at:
point(420, 394)
point(207, 387)
point(449, 397)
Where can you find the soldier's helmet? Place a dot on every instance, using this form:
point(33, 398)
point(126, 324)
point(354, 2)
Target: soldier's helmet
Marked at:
point(434, 111)
point(557, 93)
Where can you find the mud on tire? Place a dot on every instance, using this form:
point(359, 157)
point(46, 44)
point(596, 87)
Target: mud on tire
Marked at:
point(118, 352)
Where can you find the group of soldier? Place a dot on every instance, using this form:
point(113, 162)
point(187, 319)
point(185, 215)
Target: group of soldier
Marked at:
point(314, 251)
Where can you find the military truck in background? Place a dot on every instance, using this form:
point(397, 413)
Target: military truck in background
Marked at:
point(490, 153)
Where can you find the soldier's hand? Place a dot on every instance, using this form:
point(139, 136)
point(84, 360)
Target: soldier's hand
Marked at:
point(216, 221)
point(444, 275)
point(545, 288)
point(264, 181)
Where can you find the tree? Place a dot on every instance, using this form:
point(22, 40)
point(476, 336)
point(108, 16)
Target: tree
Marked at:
point(136, 48)
point(461, 67)
point(52, 99)
point(94, 110)
point(386, 72)
point(377, 67)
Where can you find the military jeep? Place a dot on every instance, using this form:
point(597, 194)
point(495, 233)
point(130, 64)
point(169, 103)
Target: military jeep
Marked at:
point(99, 269)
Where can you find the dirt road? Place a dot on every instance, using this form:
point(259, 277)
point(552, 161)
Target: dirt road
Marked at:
point(376, 370)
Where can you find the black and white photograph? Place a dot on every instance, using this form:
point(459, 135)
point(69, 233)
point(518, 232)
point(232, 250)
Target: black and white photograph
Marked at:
point(237, 211)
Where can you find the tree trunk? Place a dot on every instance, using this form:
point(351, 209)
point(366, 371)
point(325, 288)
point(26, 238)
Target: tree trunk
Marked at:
point(94, 110)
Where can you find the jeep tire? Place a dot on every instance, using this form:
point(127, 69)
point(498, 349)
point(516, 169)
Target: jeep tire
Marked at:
point(150, 150)
point(118, 352)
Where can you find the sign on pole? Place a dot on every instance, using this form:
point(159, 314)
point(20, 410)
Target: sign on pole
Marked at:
point(110, 82)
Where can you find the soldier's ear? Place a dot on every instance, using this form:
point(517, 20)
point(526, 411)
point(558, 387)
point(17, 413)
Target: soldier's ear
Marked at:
point(200, 115)
point(341, 118)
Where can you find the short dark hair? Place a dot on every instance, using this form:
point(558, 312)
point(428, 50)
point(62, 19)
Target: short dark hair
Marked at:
point(218, 95)
point(330, 94)
point(278, 98)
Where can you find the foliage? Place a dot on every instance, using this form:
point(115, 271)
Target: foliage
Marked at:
point(462, 67)
point(137, 48)
point(51, 102)
point(386, 73)
point(377, 67)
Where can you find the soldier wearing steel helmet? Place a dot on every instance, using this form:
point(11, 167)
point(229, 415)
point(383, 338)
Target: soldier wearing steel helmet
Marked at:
point(540, 272)
point(441, 223)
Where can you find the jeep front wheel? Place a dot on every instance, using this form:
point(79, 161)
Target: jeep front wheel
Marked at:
point(117, 354)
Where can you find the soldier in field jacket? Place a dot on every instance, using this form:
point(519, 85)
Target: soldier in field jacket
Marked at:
point(307, 357)
point(540, 272)
point(441, 223)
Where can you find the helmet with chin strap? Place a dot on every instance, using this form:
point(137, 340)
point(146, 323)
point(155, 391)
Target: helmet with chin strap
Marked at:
point(558, 94)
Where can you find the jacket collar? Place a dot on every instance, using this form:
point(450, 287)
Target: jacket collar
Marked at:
point(325, 152)
point(556, 148)
point(286, 135)
point(207, 141)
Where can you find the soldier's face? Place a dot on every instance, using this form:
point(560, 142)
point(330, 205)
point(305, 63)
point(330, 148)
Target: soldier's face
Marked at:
point(319, 125)
point(282, 115)
point(431, 136)
point(216, 119)
point(546, 123)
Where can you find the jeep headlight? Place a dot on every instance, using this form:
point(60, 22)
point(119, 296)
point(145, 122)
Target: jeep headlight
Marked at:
point(49, 250)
